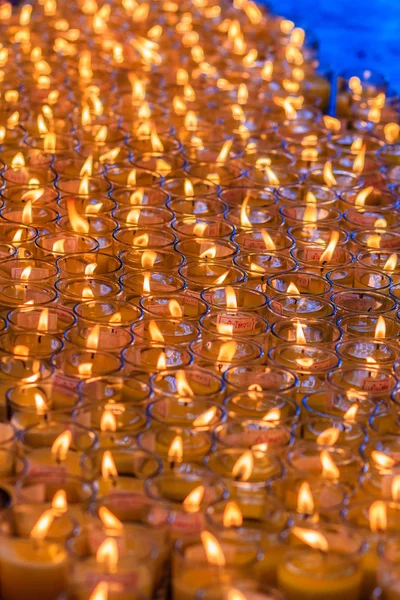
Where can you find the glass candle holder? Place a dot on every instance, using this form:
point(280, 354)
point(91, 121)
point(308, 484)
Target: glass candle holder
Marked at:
point(37, 446)
point(319, 259)
point(142, 196)
point(199, 275)
point(336, 571)
point(167, 305)
point(340, 180)
point(305, 283)
point(309, 363)
point(236, 297)
point(40, 490)
point(288, 306)
point(361, 351)
point(47, 565)
point(51, 246)
point(195, 445)
point(40, 345)
point(354, 302)
point(309, 331)
point(17, 295)
point(115, 426)
point(254, 433)
point(254, 404)
point(115, 339)
point(186, 227)
point(248, 588)
point(128, 475)
point(76, 289)
point(136, 260)
point(374, 238)
point(102, 264)
point(74, 365)
point(121, 176)
point(251, 240)
point(323, 430)
point(317, 234)
point(369, 326)
point(52, 319)
point(197, 207)
point(270, 378)
point(170, 491)
point(373, 380)
point(190, 564)
point(145, 283)
point(309, 459)
point(198, 414)
point(349, 407)
point(190, 187)
point(382, 260)
point(234, 323)
point(28, 269)
point(221, 352)
point(259, 266)
point(152, 357)
point(170, 331)
point(296, 214)
point(115, 389)
point(150, 238)
point(353, 277)
point(207, 250)
point(193, 381)
point(263, 524)
point(327, 497)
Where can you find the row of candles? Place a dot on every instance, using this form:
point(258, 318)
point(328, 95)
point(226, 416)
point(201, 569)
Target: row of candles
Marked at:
point(200, 277)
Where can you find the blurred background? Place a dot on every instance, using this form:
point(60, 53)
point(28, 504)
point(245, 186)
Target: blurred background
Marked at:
point(355, 34)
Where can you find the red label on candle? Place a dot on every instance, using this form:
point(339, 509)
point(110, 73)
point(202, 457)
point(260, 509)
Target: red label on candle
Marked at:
point(202, 377)
point(314, 255)
point(17, 175)
point(239, 324)
point(356, 303)
point(251, 243)
point(372, 384)
point(186, 523)
point(64, 384)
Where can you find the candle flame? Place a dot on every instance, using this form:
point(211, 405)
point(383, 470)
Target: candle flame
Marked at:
point(396, 488)
point(230, 295)
point(108, 422)
point(273, 415)
point(175, 451)
point(382, 460)
point(293, 289)
point(50, 142)
point(243, 467)
point(87, 167)
point(107, 554)
point(109, 520)
point(224, 152)
point(312, 538)
point(85, 369)
point(41, 404)
point(61, 445)
point(42, 526)
point(327, 254)
point(193, 500)
point(391, 263)
point(156, 143)
point(155, 333)
point(329, 469)
point(212, 548)
point(59, 503)
point(380, 328)
point(351, 414)
point(182, 385)
point(227, 351)
point(377, 516)
point(175, 308)
point(101, 134)
point(391, 132)
point(161, 361)
point(108, 466)
point(78, 223)
point(268, 242)
point(329, 178)
point(329, 437)
point(332, 124)
point(92, 341)
point(27, 216)
point(205, 418)
point(305, 500)
point(147, 283)
point(359, 161)
point(232, 516)
point(148, 259)
point(141, 240)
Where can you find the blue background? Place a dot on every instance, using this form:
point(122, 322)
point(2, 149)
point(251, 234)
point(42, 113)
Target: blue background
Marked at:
point(359, 34)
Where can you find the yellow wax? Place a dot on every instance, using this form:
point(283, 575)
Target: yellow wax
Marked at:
point(312, 576)
point(30, 571)
point(41, 461)
point(186, 583)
